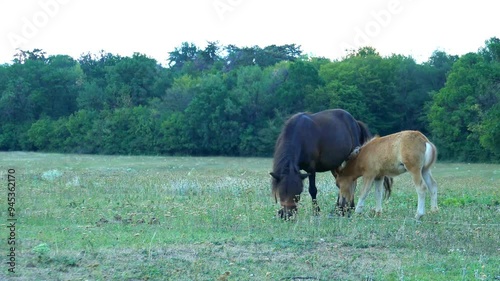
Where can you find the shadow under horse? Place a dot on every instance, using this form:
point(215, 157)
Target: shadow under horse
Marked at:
point(317, 142)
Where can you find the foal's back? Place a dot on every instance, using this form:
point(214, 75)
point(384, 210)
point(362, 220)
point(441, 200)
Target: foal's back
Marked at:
point(394, 154)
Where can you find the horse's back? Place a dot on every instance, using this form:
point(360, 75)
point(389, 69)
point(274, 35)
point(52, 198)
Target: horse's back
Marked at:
point(321, 141)
point(339, 135)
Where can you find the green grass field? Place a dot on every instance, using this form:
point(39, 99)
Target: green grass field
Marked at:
point(85, 217)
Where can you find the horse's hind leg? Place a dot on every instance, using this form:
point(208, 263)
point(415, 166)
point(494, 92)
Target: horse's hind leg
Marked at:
point(313, 191)
point(378, 195)
point(421, 189)
point(432, 186)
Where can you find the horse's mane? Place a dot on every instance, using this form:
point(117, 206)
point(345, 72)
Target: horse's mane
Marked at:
point(365, 134)
point(283, 160)
point(284, 152)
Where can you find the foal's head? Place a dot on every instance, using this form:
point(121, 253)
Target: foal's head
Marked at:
point(288, 188)
point(347, 187)
point(346, 182)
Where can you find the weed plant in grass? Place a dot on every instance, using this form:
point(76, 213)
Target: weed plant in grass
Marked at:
point(84, 217)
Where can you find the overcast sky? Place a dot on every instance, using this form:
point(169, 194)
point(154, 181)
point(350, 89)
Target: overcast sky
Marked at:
point(322, 28)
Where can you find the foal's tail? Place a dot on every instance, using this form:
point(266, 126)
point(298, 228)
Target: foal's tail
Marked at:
point(388, 186)
point(430, 155)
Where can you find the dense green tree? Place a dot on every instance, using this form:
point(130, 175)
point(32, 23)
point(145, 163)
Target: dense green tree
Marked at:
point(489, 99)
point(273, 54)
point(438, 66)
point(49, 135)
point(412, 92)
point(364, 84)
point(15, 103)
point(256, 103)
point(464, 113)
point(40, 133)
point(79, 126)
point(270, 55)
point(491, 50)
point(132, 130)
point(40, 86)
point(95, 67)
point(92, 97)
point(490, 129)
point(13, 136)
point(189, 59)
point(182, 55)
point(301, 80)
point(238, 57)
point(230, 100)
point(174, 135)
point(132, 81)
point(114, 82)
point(23, 56)
point(208, 132)
point(179, 95)
point(61, 79)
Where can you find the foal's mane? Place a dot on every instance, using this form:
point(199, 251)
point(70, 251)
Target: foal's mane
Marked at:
point(357, 150)
point(370, 140)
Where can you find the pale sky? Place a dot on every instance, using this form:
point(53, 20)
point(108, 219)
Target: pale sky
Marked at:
point(322, 28)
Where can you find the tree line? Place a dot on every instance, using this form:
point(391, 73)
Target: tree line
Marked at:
point(230, 100)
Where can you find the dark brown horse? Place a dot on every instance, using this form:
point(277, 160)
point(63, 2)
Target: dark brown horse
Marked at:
point(317, 142)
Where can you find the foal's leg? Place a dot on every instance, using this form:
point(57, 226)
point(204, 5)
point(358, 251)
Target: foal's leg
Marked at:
point(416, 174)
point(378, 195)
point(432, 186)
point(313, 191)
point(367, 183)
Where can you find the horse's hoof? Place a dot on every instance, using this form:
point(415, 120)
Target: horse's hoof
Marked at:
point(316, 211)
point(374, 213)
point(281, 214)
point(286, 214)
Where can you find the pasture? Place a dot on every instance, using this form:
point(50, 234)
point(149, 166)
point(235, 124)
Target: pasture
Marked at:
point(86, 217)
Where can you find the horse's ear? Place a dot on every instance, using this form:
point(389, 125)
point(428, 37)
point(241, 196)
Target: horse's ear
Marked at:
point(275, 176)
point(304, 176)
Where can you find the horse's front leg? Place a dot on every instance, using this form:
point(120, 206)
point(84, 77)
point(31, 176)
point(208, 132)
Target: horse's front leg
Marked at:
point(367, 183)
point(313, 191)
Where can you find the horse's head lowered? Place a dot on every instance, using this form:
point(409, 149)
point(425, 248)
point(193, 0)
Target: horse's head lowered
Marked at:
point(288, 186)
point(346, 184)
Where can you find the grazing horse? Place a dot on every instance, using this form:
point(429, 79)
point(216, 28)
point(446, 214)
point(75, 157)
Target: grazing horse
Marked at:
point(317, 142)
point(391, 155)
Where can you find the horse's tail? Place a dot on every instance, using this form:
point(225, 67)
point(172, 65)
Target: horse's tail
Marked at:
point(388, 181)
point(365, 134)
point(430, 154)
